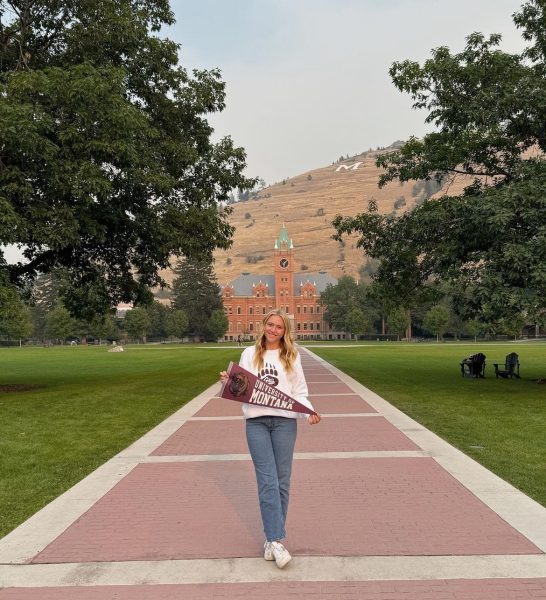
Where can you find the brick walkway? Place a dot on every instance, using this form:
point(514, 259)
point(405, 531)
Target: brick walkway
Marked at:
point(380, 508)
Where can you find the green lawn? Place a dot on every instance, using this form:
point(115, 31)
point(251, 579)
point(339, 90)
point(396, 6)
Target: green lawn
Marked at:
point(500, 423)
point(91, 405)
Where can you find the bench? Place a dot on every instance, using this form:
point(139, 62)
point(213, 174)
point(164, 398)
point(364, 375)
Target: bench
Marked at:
point(473, 366)
point(508, 369)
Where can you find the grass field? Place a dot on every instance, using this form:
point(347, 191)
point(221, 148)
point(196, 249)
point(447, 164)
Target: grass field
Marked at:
point(500, 423)
point(91, 404)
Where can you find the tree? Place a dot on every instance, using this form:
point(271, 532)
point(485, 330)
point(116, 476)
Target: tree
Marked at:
point(196, 292)
point(157, 313)
point(59, 323)
point(437, 320)
point(340, 299)
point(474, 328)
point(398, 321)
point(513, 326)
point(107, 166)
point(16, 321)
point(176, 323)
point(489, 242)
point(137, 323)
point(218, 324)
point(104, 328)
point(356, 322)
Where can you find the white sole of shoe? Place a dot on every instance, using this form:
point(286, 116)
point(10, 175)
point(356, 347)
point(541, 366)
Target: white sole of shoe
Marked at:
point(283, 562)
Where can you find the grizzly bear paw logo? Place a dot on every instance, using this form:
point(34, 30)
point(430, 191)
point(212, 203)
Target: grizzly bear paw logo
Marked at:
point(269, 375)
point(238, 384)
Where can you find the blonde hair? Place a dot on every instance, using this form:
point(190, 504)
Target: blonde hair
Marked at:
point(287, 349)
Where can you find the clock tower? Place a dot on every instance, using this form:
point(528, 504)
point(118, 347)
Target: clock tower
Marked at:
point(284, 272)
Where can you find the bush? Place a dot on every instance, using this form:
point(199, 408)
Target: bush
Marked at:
point(254, 259)
point(399, 203)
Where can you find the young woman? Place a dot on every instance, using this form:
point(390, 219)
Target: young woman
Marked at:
point(271, 433)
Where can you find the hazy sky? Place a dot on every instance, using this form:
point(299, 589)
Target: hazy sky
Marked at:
point(307, 80)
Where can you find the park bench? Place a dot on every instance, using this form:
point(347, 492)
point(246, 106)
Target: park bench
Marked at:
point(508, 369)
point(473, 366)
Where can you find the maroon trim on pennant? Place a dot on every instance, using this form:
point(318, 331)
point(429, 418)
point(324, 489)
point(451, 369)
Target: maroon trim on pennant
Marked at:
point(243, 386)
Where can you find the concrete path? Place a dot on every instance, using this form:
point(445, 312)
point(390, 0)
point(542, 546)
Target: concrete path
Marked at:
point(380, 508)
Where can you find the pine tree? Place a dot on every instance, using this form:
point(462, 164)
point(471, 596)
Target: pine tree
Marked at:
point(196, 292)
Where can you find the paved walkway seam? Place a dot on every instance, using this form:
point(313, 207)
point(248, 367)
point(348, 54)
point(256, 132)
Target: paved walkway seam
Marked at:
point(303, 568)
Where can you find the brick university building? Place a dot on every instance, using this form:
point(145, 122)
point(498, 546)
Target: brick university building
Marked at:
point(249, 297)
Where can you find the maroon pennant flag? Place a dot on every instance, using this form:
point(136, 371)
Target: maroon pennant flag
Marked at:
point(243, 386)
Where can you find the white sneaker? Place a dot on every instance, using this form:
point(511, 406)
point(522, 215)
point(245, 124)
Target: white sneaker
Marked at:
point(268, 552)
point(281, 555)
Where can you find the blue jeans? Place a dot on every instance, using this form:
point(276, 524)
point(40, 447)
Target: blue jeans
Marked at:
point(271, 443)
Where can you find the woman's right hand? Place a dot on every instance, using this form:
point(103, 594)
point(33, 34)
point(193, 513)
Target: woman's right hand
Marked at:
point(223, 376)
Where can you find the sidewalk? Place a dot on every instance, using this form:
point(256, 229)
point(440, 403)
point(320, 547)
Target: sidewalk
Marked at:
point(380, 508)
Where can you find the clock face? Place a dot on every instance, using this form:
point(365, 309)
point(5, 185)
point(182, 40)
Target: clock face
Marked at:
point(283, 262)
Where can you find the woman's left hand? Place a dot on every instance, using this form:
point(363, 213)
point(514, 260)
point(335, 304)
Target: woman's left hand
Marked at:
point(313, 419)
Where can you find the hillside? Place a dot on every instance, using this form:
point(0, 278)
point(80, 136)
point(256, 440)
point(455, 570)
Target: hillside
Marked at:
point(307, 204)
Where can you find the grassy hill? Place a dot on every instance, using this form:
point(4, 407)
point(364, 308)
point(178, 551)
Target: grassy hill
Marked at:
point(307, 205)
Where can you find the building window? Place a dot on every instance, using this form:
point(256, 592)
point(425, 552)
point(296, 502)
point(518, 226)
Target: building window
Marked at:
point(304, 309)
point(298, 309)
point(318, 309)
point(311, 309)
point(238, 310)
point(250, 310)
point(263, 309)
point(250, 327)
point(299, 326)
point(317, 326)
point(305, 326)
point(230, 310)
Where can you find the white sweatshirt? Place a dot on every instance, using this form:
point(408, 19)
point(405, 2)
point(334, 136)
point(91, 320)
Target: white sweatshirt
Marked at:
point(274, 374)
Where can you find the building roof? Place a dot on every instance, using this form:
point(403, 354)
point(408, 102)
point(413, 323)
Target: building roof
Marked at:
point(320, 280)
point(244, 284)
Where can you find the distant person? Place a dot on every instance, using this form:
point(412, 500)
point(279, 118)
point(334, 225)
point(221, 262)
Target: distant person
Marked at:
point(239, 341)
point(271, 433)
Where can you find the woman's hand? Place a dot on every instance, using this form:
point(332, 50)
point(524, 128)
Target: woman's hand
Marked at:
point(313, 419)
point(223, 376)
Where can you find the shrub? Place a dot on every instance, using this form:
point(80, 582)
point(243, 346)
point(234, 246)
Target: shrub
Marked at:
point(401, 201)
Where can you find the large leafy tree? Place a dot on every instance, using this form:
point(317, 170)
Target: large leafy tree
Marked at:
point(176, 323)
point(137, 323)
point(437, 320)
point(106, 163)
point(59, 323)
point(347, 306)
point(218, 324)
point(15, 320)
point(489, 112)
